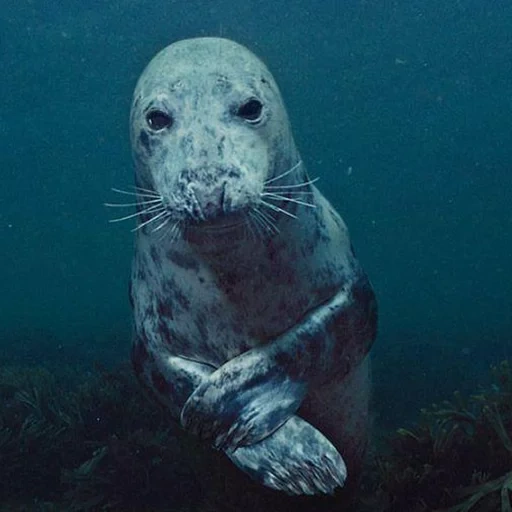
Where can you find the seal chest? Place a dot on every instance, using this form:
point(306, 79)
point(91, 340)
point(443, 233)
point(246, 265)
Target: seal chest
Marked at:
point(252, 315)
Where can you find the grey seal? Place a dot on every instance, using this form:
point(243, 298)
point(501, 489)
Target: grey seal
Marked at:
point(252, 316)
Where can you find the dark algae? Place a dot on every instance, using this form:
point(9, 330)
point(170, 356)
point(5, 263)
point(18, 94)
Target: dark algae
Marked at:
point(459, 456)
point(85, 441)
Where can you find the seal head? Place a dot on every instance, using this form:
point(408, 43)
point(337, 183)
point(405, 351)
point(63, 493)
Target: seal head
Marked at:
point(208, 127)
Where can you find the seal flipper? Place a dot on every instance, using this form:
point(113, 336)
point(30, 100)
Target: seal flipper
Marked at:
point(172, 379)
point(296, 459)
point(254, 393)
point(242, 402)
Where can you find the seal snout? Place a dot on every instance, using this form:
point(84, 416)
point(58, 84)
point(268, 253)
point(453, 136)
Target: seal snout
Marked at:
point(212, 202)
point(212, 193)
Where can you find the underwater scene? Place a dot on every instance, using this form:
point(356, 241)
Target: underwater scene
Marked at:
point(174, 277)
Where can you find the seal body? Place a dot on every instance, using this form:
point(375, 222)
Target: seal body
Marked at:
point(252, 315)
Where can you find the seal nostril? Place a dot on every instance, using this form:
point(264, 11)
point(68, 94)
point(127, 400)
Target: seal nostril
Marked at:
point(210, 209)
point(222, 200)
point(212, 203)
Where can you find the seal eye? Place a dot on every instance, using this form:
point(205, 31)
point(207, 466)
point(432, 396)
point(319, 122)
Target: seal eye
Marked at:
point(158, 120)
point(251, 111)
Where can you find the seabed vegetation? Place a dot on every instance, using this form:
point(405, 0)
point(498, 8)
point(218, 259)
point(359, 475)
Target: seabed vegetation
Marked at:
point(92, 444)
point(459, 456)
point(85, 441)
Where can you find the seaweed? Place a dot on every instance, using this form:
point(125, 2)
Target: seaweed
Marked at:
point(459, 456)
point(87, 441)
point(33, 419)
point(80, 440)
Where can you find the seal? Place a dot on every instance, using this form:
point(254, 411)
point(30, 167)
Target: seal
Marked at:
point(252, 315)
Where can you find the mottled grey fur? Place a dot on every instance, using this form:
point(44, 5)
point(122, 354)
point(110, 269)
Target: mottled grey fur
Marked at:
point(255, 342)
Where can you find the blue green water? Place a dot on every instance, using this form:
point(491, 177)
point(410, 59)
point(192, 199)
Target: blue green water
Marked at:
point(402, 108)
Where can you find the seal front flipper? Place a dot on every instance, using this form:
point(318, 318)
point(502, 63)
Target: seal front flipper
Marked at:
point(253, 394)
point(172, 379)
point(243, 401)
point(296, 459)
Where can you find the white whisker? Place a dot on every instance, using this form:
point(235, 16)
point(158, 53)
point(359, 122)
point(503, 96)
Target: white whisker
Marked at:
point(137, 194)
point(257, 219)
point(278, 197)
point(121, 205)
point(152, 219)
point(166, 230)
point(257, 224)
point(175, 231)
point(298, 185)
point(277, 209)
point(270, 219)
point(267, 215)
point(282, 175)
point(160, 226)
point(151, 209)
point(267, 220)
point(289, 193)
point(147, 191)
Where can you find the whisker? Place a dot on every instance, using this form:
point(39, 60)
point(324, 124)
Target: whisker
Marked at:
point(175, 231)
point(165, 232)
point(151, 209)
point(267, 220)
point(289, 192)
point(267, 215)
point(137, 194)
point(257, 219)
point(119, 205)
point(282, 175)
point(147, 191)
point(160, 226)
point(270, 220)
point(278, 197)
point(152, 219)
point(257, 224)
point(297, 185)
point(277, 209)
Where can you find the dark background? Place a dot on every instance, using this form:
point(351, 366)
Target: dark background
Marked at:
point(402, 108)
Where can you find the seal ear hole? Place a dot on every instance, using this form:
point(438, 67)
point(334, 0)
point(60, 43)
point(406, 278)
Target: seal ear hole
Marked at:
point(158, 120)
point(251, 110)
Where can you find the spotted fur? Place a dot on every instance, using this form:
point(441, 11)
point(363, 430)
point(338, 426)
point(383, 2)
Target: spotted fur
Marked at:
point(257, 344)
